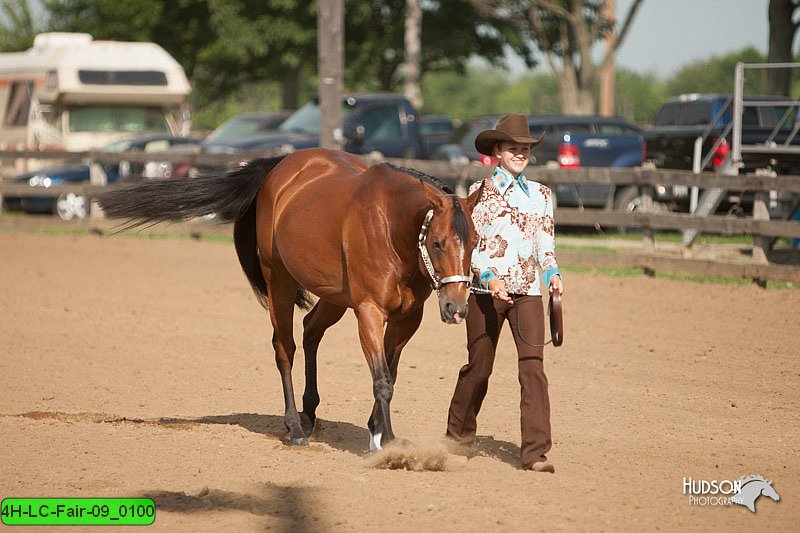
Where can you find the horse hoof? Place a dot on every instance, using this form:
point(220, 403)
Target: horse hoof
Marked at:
point(307, 423)
point(299, 441)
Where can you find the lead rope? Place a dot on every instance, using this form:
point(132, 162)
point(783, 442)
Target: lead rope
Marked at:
point(550, 310)
point(555, 339)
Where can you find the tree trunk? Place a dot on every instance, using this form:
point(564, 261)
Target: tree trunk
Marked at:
point(607, 71)
point(567, 91)
point(575, 99)
point(781, 35)
point(411, 89)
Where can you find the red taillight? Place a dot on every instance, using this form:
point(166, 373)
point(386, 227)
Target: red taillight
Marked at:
point(180, 170)
point(487, 160)
point(568, 155)
point(722, 152)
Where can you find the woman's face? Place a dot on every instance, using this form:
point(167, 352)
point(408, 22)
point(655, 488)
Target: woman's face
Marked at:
point(513, 157)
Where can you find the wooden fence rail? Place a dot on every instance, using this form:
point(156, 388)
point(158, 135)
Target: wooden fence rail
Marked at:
point(461, 175)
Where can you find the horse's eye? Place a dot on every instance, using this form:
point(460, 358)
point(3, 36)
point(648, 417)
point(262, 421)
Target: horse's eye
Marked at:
point(437, 245)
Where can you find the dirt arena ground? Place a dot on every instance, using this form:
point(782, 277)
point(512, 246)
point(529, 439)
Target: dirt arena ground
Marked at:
point(142, 367)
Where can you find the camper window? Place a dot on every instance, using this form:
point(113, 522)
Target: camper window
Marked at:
point(112, 119)
point(122, 77)
point(19, 103)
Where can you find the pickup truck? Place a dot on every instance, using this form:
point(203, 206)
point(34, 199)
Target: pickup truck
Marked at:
point(670, 142)
point(372, 122)
point(590, 141)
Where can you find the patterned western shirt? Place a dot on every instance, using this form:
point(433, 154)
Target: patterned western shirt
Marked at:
point(514, 222)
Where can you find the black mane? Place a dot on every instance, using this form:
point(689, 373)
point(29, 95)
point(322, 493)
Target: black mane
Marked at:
point(424, 177)
point(460, 224)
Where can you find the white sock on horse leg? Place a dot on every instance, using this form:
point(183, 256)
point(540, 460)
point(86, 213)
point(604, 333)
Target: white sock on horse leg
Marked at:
point(375, 441)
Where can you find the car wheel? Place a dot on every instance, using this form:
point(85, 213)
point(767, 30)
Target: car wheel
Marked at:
point(629, 200)
point(71, 206)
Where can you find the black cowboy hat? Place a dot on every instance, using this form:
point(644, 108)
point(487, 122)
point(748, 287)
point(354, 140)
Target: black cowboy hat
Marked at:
point(510, 128)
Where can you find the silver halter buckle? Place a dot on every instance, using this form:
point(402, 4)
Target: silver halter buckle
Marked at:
point(436, 283)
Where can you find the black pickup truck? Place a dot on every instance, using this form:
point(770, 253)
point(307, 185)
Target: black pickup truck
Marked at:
point(373, 122)
point(670, 142)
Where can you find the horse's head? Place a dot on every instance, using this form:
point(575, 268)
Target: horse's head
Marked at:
point(769, 491)
point(448, 242)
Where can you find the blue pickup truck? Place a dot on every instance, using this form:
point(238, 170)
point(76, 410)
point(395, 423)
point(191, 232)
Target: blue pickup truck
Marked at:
point(590, 141)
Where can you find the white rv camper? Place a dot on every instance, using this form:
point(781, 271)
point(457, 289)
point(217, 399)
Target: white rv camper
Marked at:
point(70, 92)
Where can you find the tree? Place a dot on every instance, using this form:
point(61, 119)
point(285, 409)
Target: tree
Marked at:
point(261, 40)
point(782, 29)
point(17, 28)
point(715, 74)
point(565, 32)
point(454, 32)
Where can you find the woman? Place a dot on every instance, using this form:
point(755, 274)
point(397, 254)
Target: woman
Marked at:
point(514, 221)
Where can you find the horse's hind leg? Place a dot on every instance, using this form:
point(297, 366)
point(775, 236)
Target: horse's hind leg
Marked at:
point(315, 323)
point(398, 333)
point(282, 289)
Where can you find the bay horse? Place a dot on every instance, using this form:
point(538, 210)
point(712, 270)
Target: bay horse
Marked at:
point(374, 239)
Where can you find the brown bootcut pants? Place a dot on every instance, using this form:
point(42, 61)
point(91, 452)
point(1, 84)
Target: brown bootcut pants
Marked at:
point(484, 322)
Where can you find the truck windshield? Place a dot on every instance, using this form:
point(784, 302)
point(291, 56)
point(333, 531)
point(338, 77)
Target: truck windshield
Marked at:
point(117, 119)
point(306, 119)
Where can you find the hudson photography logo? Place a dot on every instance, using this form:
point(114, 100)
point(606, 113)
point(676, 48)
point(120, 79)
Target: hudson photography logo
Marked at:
point(744, 491)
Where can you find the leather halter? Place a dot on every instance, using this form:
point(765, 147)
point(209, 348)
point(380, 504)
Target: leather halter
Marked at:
point(436, 283)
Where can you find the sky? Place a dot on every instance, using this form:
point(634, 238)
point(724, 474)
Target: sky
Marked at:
point(669, 34)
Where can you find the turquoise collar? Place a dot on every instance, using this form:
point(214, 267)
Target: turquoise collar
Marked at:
point(503, 180)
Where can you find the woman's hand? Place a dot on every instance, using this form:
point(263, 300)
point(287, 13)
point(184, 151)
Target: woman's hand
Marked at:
point(499, 290)
point(556, 284)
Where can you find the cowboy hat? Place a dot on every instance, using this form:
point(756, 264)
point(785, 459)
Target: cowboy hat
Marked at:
point(510, 128)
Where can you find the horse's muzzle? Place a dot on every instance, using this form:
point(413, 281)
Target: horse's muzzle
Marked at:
point(451, 312)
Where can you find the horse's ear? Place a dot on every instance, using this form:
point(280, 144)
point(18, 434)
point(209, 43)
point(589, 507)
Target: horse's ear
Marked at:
point(431, 192)
point(472, 199)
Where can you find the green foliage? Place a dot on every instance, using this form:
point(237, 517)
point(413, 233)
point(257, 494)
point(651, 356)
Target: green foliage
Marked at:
point(715, 75)
point(106, 19)
point(484, 90)
point(638, 96)
point(487, 91)
point(256, 96)
point(17, 28)
point(452, 32)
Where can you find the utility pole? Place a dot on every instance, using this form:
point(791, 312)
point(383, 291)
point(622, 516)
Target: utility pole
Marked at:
point(607, 75)
point(330, 68)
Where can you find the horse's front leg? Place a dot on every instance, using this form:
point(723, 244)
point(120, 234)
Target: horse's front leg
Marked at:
point(398, 333)
point(371, 321)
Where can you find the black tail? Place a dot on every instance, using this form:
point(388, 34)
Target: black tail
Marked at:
point(232, 195)
point(154, 201)
point(244, 238)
